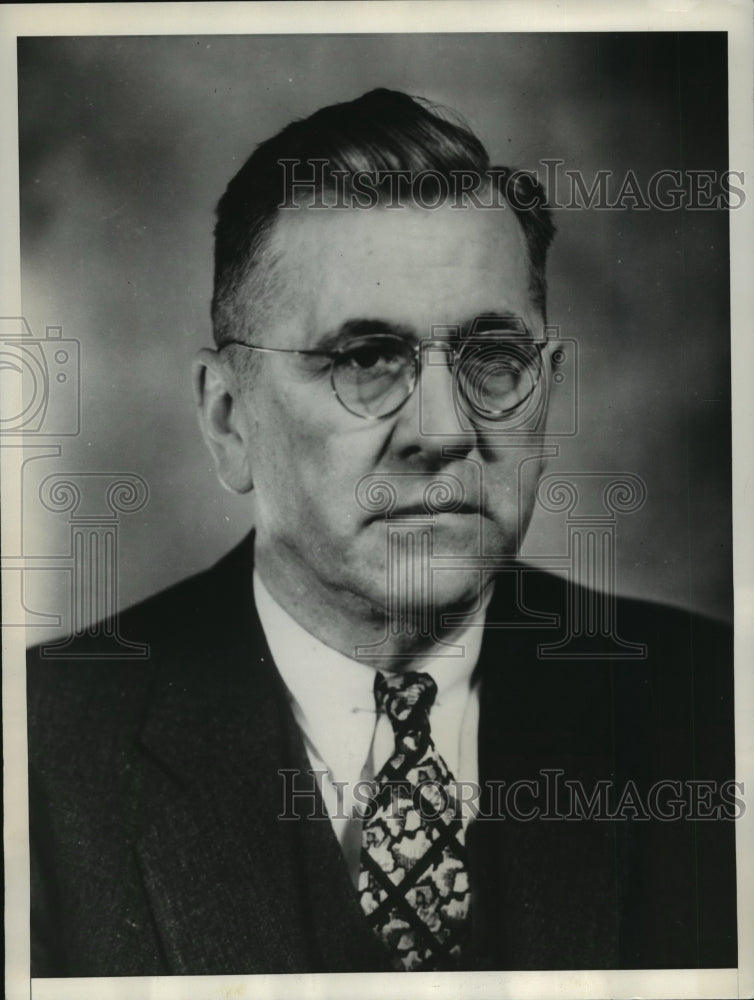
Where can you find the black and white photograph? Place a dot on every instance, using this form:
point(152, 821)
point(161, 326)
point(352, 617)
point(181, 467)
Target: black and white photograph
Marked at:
point(375, 535)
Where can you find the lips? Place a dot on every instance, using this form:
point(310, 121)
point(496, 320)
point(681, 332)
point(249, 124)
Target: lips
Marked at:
point(421, 510)
point(404, 494)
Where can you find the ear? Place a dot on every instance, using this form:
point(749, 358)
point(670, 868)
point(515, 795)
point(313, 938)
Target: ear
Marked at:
point(550, 363)
point(221, 419)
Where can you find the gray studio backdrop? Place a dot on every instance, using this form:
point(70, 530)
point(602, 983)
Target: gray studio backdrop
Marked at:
point(126, 145)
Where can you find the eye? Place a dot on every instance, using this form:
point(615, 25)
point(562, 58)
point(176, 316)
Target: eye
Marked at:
point(367, 357)
point(375, 355)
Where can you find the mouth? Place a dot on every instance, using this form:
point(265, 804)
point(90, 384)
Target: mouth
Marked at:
point(384, 496)
point(421, 510)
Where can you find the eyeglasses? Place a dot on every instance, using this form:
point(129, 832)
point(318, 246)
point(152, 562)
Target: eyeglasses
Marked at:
point(372, 376)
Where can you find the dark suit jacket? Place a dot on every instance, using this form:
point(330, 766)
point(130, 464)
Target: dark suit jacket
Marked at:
point(155, 795)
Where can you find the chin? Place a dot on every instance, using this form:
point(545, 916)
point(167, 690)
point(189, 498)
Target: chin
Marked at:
point(429, 561)
point(415, 593)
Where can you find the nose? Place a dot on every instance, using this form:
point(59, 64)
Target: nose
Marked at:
point(431, 418)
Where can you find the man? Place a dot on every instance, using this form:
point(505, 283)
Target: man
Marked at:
point(327, 763)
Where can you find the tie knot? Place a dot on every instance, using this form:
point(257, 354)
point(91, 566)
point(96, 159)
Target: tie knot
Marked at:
point(404, 697)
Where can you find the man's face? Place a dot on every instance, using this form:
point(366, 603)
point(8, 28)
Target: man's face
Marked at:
point(408, 270)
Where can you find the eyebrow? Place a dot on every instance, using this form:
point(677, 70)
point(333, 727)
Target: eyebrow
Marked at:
point(492, 316)
point(354, 328)
point(369, 327)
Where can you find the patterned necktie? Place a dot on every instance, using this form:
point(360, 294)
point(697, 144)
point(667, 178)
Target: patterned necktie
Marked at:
point(413, 883)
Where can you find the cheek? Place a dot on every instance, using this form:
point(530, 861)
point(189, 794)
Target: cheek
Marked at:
point(306, 471)
point(278, 448)
point(511, 482)
point(530, 474)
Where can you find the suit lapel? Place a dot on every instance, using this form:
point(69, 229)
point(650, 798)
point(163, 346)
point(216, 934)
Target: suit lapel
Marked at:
point(544, 889)
point(233, 887)
point(220, 867)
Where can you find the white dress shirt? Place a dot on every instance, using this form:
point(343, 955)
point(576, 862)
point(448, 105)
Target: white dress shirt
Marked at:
point(332, 697)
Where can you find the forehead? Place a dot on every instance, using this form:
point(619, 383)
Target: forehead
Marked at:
point(417, 267)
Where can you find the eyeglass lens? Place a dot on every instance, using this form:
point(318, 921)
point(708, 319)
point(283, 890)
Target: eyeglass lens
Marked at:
point(374, 376)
